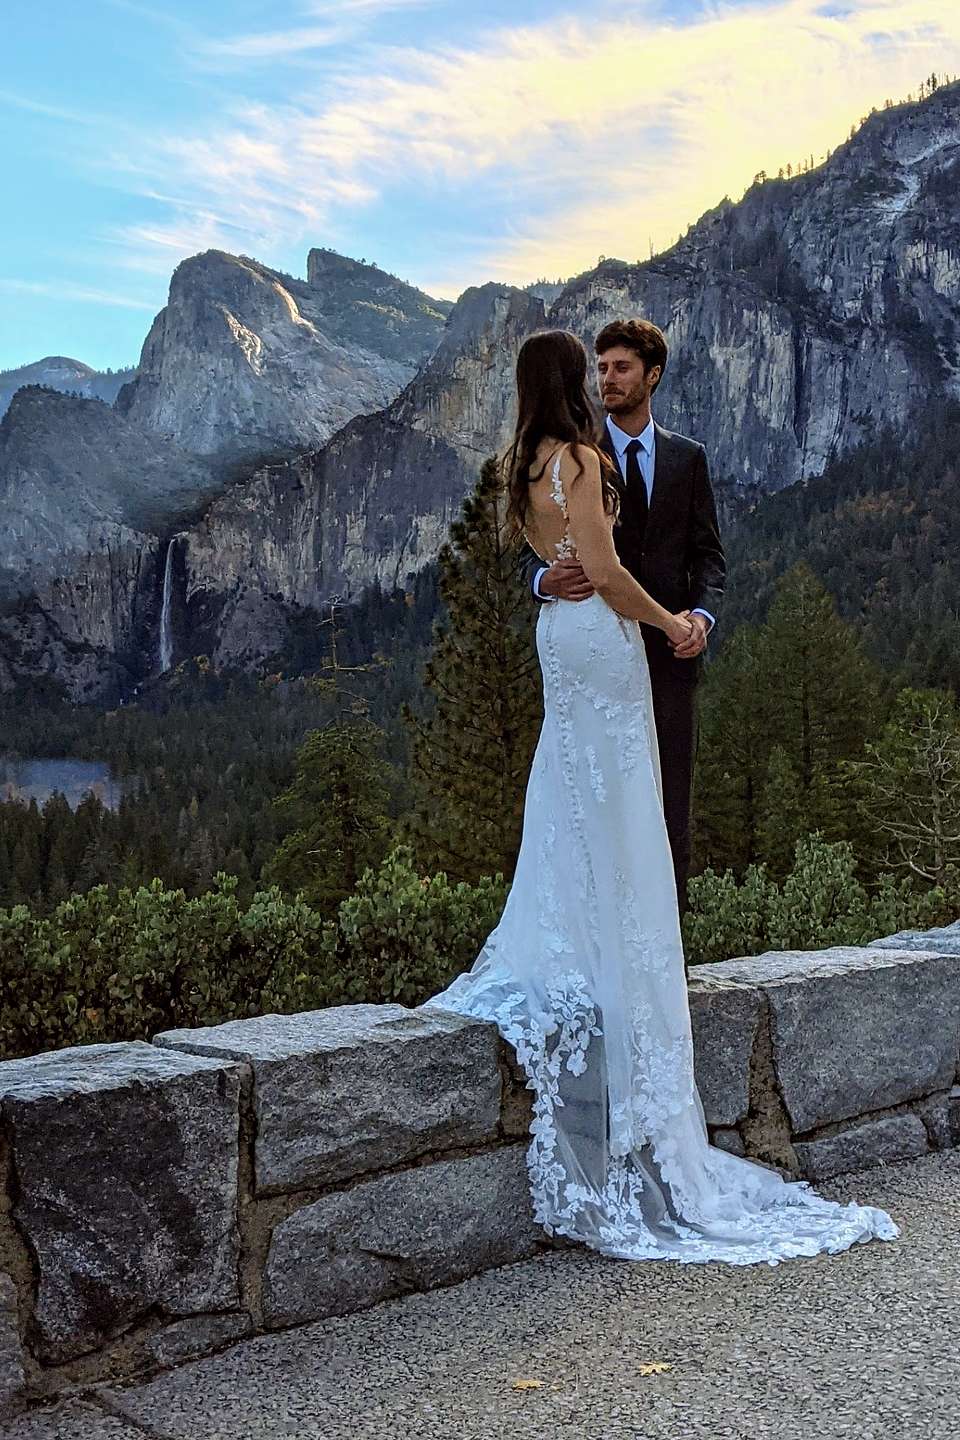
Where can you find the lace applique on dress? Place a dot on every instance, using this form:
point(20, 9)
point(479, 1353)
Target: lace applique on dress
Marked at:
point(564, 547)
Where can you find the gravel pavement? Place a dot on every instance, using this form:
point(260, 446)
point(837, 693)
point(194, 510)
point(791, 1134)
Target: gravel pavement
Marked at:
point(862, 1344)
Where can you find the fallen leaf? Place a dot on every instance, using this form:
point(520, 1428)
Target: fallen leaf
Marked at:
point(527, 1384)
point(655, 1367)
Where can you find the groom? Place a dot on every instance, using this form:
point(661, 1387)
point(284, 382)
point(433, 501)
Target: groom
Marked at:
point(667, 536)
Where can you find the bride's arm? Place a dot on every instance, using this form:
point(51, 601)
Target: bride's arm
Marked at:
point(590, 531)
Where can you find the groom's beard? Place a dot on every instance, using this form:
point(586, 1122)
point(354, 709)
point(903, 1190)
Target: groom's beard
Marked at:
point(622, 402)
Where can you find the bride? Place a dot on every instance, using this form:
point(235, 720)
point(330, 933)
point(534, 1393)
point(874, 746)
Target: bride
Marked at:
point(584, 974)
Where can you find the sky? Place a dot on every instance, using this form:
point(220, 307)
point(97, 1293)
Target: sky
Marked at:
point(451, 144)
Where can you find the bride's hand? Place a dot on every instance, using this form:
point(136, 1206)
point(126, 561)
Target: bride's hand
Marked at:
point(678, 629)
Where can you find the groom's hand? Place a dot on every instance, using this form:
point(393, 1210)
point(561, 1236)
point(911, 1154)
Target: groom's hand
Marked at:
point(697, 642)
point(566, 580)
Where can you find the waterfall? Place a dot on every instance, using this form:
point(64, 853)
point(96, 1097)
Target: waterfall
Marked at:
point(166, 632)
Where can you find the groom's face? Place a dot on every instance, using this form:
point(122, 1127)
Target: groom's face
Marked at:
point(623, 380)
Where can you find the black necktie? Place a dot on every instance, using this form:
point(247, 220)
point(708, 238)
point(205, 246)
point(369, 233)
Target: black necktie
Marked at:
point(635, 502)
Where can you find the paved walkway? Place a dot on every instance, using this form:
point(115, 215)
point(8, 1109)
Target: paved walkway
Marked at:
point(862, 1345)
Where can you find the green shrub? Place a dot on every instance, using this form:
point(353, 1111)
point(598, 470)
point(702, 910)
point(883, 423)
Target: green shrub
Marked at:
point(820, 903)
point(122, 965)
point(401, 937)
point(726, 918)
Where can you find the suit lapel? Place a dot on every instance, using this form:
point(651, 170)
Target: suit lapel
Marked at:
point(663, 470)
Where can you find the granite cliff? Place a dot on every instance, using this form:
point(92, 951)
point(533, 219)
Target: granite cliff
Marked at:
point(812, 310)
point(374, 504)
point(246, 364)
point(243, 363)
point(83, 501)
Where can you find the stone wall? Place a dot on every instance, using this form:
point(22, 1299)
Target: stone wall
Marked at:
point(160, 1201)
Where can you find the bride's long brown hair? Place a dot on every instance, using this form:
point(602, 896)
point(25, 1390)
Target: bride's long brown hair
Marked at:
point(552, 401)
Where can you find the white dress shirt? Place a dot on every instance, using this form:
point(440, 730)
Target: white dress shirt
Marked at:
point(647, 459)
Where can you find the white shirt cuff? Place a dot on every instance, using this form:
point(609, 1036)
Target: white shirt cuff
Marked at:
point(536, 584)
point(706, 614)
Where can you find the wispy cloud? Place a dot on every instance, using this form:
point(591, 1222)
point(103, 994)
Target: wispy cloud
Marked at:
point(344, 20)
point(644, 122)
point(54, 112)
point(271, 45)
point(64, 290)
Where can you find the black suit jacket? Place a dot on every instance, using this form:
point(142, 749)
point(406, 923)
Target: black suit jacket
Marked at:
point(680, 561)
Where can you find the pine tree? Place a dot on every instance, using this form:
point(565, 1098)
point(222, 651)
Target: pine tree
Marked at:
point(782, 818)
point(28, 855)
point(472, 746)
point(912, 776)
point(798, 688)
point(6, 873)
point(338, 807)
point(729, 774)
point(819, 699)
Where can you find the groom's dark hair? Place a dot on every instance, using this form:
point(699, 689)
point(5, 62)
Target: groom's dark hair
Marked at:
point(642, 336)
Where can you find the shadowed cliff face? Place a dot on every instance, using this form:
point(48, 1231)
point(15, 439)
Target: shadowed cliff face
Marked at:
point(82, 497)
point(375, 504)
point(245, 364)
point(75, 476)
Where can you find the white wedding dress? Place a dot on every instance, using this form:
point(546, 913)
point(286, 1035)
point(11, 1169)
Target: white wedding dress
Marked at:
point(584, 976)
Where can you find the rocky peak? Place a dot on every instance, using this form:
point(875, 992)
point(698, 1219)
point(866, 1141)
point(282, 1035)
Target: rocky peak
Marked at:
point(800, 317)
point(246, 364)
point(797, 236)
point(359, 304)
point(374, 504)
point(487, 311)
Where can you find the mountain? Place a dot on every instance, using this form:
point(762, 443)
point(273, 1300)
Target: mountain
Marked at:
point(811, 311)
point(798, 321)
point(243, 363)
point(246, 364)
point(374, 505)
point(83, 499)
point(57, 372)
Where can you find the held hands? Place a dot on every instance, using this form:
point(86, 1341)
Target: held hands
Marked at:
point(679, 632)
point(694, 641)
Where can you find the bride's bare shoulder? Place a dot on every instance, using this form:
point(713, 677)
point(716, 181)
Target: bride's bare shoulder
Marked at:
point(580, 461)
point(543, 458)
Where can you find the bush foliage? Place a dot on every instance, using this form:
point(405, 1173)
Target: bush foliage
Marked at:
point(121, 965)
point(821, 902)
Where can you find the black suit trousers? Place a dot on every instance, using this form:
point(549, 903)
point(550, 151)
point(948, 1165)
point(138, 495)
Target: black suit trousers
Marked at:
point(675, 712)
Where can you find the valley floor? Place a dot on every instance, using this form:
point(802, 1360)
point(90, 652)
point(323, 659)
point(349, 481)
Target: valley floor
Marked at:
point(860, 1345)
